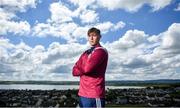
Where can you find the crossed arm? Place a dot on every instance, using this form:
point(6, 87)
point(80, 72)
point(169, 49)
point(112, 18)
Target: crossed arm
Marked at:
point(86, 65)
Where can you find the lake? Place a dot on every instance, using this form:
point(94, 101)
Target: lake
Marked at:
point(57, 87)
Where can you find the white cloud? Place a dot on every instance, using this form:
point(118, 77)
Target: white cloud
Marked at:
point(20, 28)
point(6, 15)
point(42, 29)
point(178, 8)
point(126, 54)
point(136, 36)
point(89, 16)
point(72, 32)
point(18, 5)
point(60, 13)
point(8, 11)
point(159, 4)
point(63, 13)
point(133, 6)
point(83, 4)
point(80, 32)
point(171, 37)
point(132, 38)
point(21, 62)
point(104, 27)
point(38, 54)
point(109, 26)
point(154, 39)
point(68, 31)
point(62, 24)
point(128, 58)
point(135, 55)
point(119, 25)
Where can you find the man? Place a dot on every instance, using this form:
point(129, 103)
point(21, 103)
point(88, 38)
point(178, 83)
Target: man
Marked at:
point(91, 68)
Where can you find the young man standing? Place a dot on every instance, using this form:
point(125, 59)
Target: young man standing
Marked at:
point(91, 68)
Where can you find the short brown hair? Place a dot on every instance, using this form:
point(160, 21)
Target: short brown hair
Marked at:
point(95, 30)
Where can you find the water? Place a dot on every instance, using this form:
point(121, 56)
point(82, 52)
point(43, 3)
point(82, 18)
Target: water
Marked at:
point(57, 87)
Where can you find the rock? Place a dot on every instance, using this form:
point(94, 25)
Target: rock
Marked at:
point(39, 102)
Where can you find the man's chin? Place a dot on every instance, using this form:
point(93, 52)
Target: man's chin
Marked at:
point(93, 44)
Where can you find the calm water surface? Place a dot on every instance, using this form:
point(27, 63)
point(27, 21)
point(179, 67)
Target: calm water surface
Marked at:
point(57, 87)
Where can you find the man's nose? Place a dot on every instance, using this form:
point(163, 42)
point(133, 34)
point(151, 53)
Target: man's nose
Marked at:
point(91, 38)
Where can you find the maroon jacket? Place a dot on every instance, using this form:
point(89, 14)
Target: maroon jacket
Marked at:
point(91, 68)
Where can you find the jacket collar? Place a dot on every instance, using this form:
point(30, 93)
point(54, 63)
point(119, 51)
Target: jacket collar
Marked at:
point(97, 45)
point(92, 48)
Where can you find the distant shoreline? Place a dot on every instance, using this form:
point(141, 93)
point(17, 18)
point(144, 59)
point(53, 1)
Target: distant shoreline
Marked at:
point(65, 85)
point(55, 87)
point(108, 83)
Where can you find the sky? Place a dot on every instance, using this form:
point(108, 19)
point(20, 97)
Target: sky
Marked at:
point(42, 39)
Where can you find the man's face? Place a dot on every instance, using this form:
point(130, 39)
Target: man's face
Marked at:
point(93, 38)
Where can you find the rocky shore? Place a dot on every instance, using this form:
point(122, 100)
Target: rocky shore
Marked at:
point(151, 97)
point(38, 98)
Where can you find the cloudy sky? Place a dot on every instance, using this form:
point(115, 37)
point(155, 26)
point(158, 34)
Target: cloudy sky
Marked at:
point(42, 39)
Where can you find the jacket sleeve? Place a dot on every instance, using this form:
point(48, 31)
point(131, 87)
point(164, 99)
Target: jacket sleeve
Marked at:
point(94, 61)
point(77, 70)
